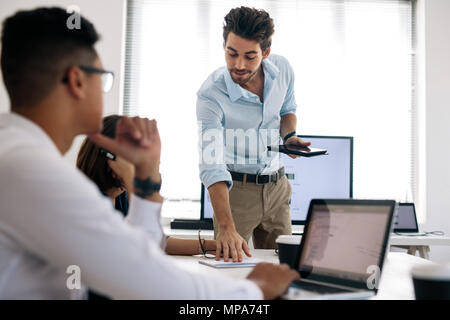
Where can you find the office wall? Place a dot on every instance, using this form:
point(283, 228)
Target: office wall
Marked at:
point(434, 112)
point(108, 17)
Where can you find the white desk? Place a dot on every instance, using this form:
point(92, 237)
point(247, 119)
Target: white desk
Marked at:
point(395, 282)
point(419, 243)
point(413, 244)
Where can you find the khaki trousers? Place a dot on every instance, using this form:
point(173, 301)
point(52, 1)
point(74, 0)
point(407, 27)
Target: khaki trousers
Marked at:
point(260, 210)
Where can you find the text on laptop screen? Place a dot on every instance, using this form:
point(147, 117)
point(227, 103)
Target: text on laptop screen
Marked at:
point(327, 176)
point(344, 240)
point(406, 218)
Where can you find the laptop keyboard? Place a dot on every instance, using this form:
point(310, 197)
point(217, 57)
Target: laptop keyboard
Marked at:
point(317, 288)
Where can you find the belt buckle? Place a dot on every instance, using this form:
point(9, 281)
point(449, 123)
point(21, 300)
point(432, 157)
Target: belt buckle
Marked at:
point(277, 177)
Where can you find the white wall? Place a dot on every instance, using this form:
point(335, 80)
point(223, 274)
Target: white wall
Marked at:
point(434, 103)
point(108, 16)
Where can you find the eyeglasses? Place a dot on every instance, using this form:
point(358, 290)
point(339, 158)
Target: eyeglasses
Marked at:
point(202, 247)
point(107, 77)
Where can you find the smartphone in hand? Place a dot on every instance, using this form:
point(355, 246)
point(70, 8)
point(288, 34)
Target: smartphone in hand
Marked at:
point(298, 150)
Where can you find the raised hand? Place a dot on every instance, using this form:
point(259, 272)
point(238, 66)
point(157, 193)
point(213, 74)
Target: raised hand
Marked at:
point(137, 140)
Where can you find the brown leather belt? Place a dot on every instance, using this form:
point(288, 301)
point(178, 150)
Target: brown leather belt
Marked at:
point(258, 179)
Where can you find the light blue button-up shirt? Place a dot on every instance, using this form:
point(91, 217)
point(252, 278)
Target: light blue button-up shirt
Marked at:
point(235, 128)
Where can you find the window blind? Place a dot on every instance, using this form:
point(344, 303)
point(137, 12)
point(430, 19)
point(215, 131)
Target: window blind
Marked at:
point(354, 69)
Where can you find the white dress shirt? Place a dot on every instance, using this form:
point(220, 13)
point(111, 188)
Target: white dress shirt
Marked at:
point(52, 217)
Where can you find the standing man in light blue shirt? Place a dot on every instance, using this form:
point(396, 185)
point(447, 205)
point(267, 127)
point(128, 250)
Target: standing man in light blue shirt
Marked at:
point(241, 109)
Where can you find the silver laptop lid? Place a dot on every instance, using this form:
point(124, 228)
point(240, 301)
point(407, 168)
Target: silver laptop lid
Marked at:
point(345, 241)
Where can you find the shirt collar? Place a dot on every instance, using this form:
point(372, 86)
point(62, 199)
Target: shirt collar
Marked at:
point(35, 132)
point(235, 91)
point(270, 69)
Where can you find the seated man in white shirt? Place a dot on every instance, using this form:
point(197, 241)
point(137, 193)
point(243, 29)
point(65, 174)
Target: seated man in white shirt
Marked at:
point(52, 218)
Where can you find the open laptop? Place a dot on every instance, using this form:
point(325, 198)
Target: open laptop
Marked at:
point(342, 250)
point(405, 221)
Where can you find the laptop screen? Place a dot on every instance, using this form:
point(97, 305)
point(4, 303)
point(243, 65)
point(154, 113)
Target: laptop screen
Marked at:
point(344, 239)
point(405, 220)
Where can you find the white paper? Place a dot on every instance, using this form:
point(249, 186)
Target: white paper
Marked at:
point(245, 263)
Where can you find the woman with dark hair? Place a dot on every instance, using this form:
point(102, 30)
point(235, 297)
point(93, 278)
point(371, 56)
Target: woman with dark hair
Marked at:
point(114, 175)
point(111, 174)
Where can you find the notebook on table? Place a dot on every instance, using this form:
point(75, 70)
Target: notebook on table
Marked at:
point(246, 262)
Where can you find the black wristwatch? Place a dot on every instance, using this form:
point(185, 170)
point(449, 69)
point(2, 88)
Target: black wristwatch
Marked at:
point(290, 134)
point(145, 188)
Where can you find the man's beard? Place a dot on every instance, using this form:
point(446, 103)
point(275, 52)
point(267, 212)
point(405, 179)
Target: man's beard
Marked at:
point(244, 81)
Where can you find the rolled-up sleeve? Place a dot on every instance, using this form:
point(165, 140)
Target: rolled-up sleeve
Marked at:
point(289, 104)
point(212, 163)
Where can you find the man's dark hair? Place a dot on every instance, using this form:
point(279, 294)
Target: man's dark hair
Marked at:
point(251, 24)
point(38, 48)
point(94, 164)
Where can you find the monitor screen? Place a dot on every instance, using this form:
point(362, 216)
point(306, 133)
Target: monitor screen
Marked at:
point(405, 220)
point(327, 176)
point(344, 238)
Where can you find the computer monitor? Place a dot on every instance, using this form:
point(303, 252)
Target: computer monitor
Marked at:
point(328, 176)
